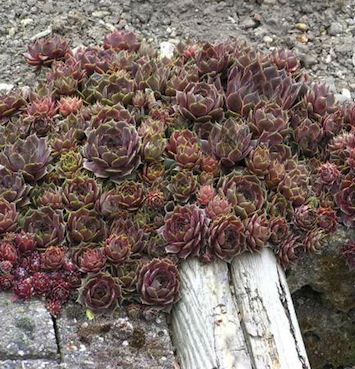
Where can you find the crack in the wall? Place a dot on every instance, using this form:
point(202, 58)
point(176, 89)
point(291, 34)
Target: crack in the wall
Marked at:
point(284, 302)
point(242, 322)
point(57, 338)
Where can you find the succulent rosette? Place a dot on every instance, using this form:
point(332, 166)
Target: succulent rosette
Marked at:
point(8, 216)
point(257, 232)
point(327, 220)
point(185, 230)
point(69, 165)
point(294, 185)
point(121, 40)
point(184, 147)
point(345, 199)
point(117, 248)
point(182, 186)
point(53, 258)
point(100, 114)
point(206, 194)
point(305, 217)
point(218, 206)
point(52, 198)
point(13, 187)
point(200, 101)
point(289, 251)
point(153, 172)
point(46, 224)
point(319, 100)
point(92, 261)
point(94, 59)
point(25, 242)
point(212, 58)
point(244, 192)
point(80, 192)
point(241, 95)
point(30, 157)
point(112, 150)
point(259, 161)
point(130, 195)
point(275, 174)
point(285, 59)
point(312, 241)
point(230, 141)
point(11, 103)
point(85, 226)
point(100, 293)
point(279, 230)
point(180, 138)
point(8, 252)
point(109, 88)
point(159, 283)
point(153, 146)
point(269, 124)
point(226, 238)
point(44, 51)
point(108, 204)
point(69, 105)
point(308, 135)
point(124, 225)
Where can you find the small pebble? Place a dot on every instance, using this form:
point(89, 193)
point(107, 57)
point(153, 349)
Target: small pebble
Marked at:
point(302, 27)
point(26, 21)
point(6, 87)
point(267, 39)
point(335, 28)
point(247, 23)
point(345, 92)
point(100, 13)
point(303, 39)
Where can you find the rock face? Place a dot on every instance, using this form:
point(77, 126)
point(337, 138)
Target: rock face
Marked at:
point(26, 331)
point(116, 342)
point(31, 339)
point(323, 292)
point(27, 336)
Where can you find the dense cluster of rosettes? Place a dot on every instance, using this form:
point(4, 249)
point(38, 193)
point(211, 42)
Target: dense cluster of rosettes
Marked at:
point(122, 163)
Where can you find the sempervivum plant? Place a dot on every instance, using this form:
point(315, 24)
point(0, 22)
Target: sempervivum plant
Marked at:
point(121, 164)
point(112, 150)
point(45, 50)
point(30, 157)
point(159, 283)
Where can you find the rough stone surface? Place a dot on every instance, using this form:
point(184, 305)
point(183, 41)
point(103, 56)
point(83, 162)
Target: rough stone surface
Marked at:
point(30, 364)
point(26, 331)
point(324, 296)
point(116, 342)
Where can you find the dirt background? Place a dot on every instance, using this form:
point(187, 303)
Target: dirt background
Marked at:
point(321, 32)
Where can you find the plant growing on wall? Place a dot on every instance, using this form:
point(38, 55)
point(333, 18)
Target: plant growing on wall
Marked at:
point(121, 164)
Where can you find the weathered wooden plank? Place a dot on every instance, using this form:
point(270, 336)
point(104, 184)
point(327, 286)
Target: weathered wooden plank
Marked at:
point(206, 329)
point(237, 317)
point(268, 320)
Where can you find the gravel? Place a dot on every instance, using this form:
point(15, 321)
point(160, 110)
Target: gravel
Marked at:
point(321, 32)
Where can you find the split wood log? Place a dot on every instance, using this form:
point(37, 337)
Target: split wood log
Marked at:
point(237, 317)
